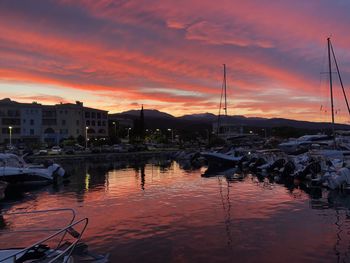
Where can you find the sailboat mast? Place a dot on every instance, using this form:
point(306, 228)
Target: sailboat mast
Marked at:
point(331, 84)
point(225, 89)
point(340, 79)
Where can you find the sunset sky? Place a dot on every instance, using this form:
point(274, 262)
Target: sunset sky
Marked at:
point(168, 55)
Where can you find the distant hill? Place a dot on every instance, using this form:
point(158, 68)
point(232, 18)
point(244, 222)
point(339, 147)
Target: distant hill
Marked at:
point(147, 112)
point(158, 119)
point(201, 116)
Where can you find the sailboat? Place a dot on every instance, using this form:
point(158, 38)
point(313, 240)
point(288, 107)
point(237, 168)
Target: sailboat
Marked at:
point(225, 130)
point(307, 141)
point(339, 142)
point(224, 127)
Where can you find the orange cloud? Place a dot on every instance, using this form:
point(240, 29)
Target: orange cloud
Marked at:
point(143, 53)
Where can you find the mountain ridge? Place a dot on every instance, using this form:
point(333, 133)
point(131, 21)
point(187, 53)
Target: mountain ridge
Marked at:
point(164, 119)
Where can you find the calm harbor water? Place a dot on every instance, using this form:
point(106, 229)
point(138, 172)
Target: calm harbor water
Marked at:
point(159, 212)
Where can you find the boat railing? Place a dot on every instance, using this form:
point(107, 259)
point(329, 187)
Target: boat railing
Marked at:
point(32, 230)
point(58, 252)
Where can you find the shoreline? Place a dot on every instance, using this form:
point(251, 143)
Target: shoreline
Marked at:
point(104, 156)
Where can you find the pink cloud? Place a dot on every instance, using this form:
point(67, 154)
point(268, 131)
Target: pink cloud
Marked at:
point(129, 46)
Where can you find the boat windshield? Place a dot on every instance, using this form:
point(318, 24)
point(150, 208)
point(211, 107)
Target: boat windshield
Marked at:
point(11, 160)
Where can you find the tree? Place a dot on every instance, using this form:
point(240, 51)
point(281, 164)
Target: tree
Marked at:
point(142, 124)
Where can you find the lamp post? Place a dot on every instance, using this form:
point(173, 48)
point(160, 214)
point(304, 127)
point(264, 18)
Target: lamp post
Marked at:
point(172, 135)
point(86, 137)
point(10, 131)
point(129, 134)
point(115, 128)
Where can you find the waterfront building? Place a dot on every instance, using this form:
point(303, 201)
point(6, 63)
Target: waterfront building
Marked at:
point(49, 125)
point(33, 122)
point(10, 121)
point(97, 122)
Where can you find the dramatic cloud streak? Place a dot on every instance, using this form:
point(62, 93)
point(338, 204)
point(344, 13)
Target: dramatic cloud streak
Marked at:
point(167, 55)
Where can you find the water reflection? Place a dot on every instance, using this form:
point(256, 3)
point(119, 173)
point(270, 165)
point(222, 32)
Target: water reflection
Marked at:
point(339, 201)
point(140, 171)
point(155, 211)
point(226, 206)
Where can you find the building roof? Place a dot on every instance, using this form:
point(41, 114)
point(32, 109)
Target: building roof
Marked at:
point(8, 102)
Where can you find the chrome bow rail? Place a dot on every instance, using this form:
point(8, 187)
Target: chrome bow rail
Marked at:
point(62, 251)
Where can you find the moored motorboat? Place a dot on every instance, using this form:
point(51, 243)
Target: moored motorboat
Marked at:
point(14, 170)
point(216, 159)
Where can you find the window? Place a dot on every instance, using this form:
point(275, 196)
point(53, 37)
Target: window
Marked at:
point(11, 121)
point(98, 115)
point(99, 123)
point(87, 114)
point(31, 131)
point(24, 120)
point(93, 123)
point(103, 123)
point(78, 122)
point(49, 121)
point(31, 122)
point(93, 114)
point(63, 122)
point(87, 123)
point(77, 131)
point(49, 131)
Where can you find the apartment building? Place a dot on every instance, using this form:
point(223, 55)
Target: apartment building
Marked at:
point(10, 121)
point(96, 122)
point(30, 122)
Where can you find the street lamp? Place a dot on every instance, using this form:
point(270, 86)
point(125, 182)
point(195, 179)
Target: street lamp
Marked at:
point(172, 135)
point(115, 128)
point(129, 134)
point(10, 131)
point(86, 137)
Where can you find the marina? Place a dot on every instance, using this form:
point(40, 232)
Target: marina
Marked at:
point(159, 212)
point(158, 131)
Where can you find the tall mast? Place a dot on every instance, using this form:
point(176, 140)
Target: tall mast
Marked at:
point(225, 89)
point(331, 85)
point(340, 79)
